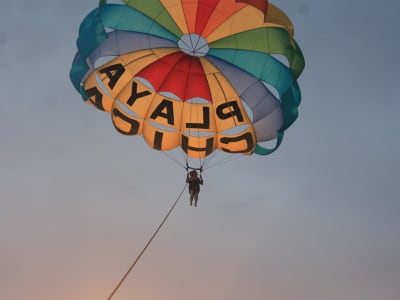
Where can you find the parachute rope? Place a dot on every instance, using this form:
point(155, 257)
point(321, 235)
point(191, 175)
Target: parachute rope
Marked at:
point(147, 245)
point(174, 159)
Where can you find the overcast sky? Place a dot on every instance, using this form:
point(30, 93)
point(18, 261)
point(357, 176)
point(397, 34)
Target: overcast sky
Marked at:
point(317, 220)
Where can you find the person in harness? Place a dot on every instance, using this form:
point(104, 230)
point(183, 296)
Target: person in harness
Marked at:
point(194, 186)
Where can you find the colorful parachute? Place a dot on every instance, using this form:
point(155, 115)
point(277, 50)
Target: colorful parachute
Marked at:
point(199, 75)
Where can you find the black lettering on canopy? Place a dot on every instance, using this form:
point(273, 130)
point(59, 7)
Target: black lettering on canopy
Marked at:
point(158, 139)
point(206, 120)
point(166, 106)
point(135, 125)
point(247, 137)
point(233, 110)
point(98, 97)
point(186, 147)
point(135, 95)
point(114, 73)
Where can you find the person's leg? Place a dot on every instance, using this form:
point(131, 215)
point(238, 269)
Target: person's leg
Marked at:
point(196, 198)
point(191, 197)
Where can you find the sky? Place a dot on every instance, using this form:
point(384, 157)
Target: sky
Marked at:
point(318, 219)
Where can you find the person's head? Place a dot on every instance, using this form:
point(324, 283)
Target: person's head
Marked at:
point(193, 173)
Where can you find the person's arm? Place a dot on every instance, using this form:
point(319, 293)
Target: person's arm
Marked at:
point(187, 178)
point(201, 179)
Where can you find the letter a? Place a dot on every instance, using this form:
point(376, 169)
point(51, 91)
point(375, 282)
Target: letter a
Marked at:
point(98, 97)
point(113, 73)
point(169, 114)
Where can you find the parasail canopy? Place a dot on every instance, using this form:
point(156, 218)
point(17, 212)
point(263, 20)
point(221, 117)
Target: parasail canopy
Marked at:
point(200, 75)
